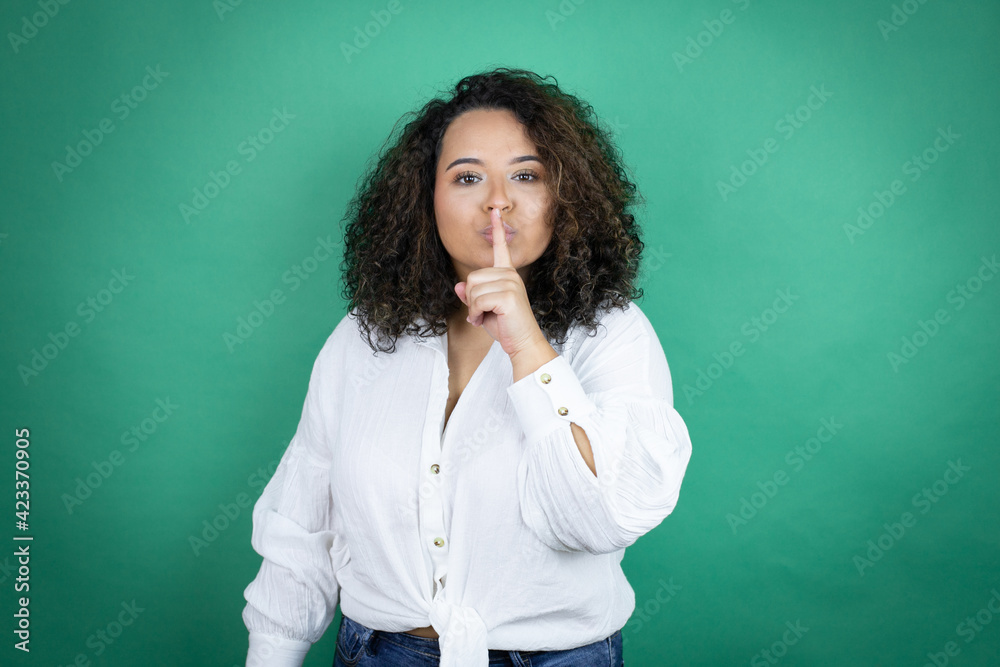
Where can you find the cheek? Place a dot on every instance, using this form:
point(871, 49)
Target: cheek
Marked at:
point(447, 212)
point(441, 215)
point(546, 242)
point(439, 207)
point(540, 209)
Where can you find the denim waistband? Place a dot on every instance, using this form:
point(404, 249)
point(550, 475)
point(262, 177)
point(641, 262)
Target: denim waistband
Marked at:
point(430, 647)
point(425, 645)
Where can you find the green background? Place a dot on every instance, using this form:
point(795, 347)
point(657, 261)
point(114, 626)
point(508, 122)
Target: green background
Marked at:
point(713, 264)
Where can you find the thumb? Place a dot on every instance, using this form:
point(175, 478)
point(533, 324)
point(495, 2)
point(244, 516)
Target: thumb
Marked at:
point(460, 291)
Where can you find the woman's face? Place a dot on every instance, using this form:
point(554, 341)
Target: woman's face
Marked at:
point(487, 161)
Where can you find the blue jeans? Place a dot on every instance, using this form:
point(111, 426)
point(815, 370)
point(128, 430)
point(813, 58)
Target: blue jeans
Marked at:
point(360, 646)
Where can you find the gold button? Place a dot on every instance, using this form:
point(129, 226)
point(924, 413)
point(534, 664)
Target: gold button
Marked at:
point(438, 542)
point(546, 378)
point(435, 468)
point(563, 411)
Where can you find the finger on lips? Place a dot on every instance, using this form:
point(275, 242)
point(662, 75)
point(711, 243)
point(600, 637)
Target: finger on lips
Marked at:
point(501, 259)
point(501, 253)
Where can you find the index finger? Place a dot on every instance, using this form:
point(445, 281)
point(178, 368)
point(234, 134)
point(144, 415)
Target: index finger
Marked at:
point(501, 253)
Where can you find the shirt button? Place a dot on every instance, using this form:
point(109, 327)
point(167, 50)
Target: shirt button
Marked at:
point(563, 411)
point(438, 542)
point(546, 378)
point(435, 468)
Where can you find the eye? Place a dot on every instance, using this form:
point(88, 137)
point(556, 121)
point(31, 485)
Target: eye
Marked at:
point(527, 172)
point(460, 179)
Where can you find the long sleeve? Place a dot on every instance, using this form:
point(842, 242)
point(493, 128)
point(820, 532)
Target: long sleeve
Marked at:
point(292, 600)
point(618, 390)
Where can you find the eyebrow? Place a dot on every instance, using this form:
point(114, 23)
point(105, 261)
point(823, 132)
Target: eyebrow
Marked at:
point(472, 160)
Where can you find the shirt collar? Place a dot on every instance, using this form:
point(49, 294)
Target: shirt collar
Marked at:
point(436, 343)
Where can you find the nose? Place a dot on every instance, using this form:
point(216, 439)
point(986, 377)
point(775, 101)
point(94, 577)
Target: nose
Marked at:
point(497, 197)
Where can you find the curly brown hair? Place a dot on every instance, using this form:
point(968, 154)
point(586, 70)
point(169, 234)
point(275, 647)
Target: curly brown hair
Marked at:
point(396, 270)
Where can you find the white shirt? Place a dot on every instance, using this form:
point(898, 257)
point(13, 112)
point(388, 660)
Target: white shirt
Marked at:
point(494, 531)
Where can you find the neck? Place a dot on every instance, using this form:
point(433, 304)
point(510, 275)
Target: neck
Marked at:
point(459, 329)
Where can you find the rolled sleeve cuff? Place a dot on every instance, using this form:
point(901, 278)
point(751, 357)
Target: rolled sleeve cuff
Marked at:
point(275, 651)
point(549, 398)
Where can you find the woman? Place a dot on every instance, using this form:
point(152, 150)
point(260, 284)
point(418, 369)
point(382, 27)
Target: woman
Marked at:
point(492, 423)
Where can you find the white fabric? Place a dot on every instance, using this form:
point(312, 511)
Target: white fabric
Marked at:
point(529, 540)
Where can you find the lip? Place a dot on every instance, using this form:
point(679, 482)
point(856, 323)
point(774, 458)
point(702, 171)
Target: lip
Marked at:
point(487, 233)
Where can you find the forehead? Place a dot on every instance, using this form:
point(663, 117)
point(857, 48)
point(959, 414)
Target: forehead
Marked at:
point(485, 131)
